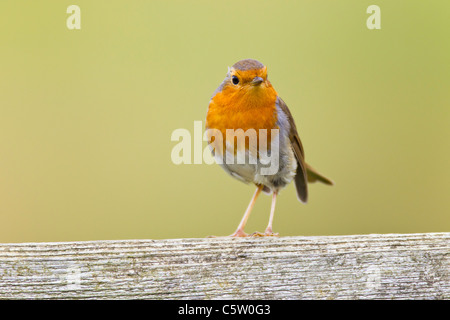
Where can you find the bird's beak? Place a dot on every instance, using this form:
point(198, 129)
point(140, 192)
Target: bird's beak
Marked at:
point(257, 81)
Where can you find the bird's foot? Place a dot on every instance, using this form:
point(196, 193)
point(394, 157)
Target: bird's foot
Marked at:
point(239, 233)
point(267, 233)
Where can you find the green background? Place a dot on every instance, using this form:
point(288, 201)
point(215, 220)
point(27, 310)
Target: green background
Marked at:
point(86, 116)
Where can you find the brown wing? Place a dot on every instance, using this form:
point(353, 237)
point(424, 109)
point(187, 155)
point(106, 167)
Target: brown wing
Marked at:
point(301, 176)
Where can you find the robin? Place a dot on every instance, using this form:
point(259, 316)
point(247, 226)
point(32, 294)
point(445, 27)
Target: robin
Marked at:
point(246, 100)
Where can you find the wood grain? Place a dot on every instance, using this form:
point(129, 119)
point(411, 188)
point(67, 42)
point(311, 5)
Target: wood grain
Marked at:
point(379, 266)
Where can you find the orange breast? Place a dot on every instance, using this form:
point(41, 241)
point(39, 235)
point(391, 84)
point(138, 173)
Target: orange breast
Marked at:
point(244, 109)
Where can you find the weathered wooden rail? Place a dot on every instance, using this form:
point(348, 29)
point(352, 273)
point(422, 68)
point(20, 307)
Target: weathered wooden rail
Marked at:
point(387, 266)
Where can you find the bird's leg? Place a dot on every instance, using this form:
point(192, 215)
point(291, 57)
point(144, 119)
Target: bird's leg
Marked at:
point(269, 231)
point(240, 229)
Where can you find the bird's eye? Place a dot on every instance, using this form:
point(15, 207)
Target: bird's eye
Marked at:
point(235, 80)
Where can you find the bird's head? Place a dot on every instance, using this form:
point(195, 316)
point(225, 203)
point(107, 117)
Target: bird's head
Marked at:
point(246, 86)
point(248, 75)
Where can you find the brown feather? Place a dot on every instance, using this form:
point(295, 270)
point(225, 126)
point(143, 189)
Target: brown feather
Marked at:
point(301, 175)
point(305, 173)
point(314, 176)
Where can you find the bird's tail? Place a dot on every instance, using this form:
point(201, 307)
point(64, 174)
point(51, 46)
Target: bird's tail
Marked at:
point(314, 176)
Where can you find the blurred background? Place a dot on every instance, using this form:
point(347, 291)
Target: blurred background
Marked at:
point(86, 116)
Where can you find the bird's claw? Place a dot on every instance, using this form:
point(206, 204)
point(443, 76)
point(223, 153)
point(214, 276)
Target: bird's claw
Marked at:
point(265, 234)
point(239, 233)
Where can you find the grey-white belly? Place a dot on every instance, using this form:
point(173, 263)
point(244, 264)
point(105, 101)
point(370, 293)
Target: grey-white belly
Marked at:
point(275, 174)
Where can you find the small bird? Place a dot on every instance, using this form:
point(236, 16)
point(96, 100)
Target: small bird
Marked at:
point(246, 100)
